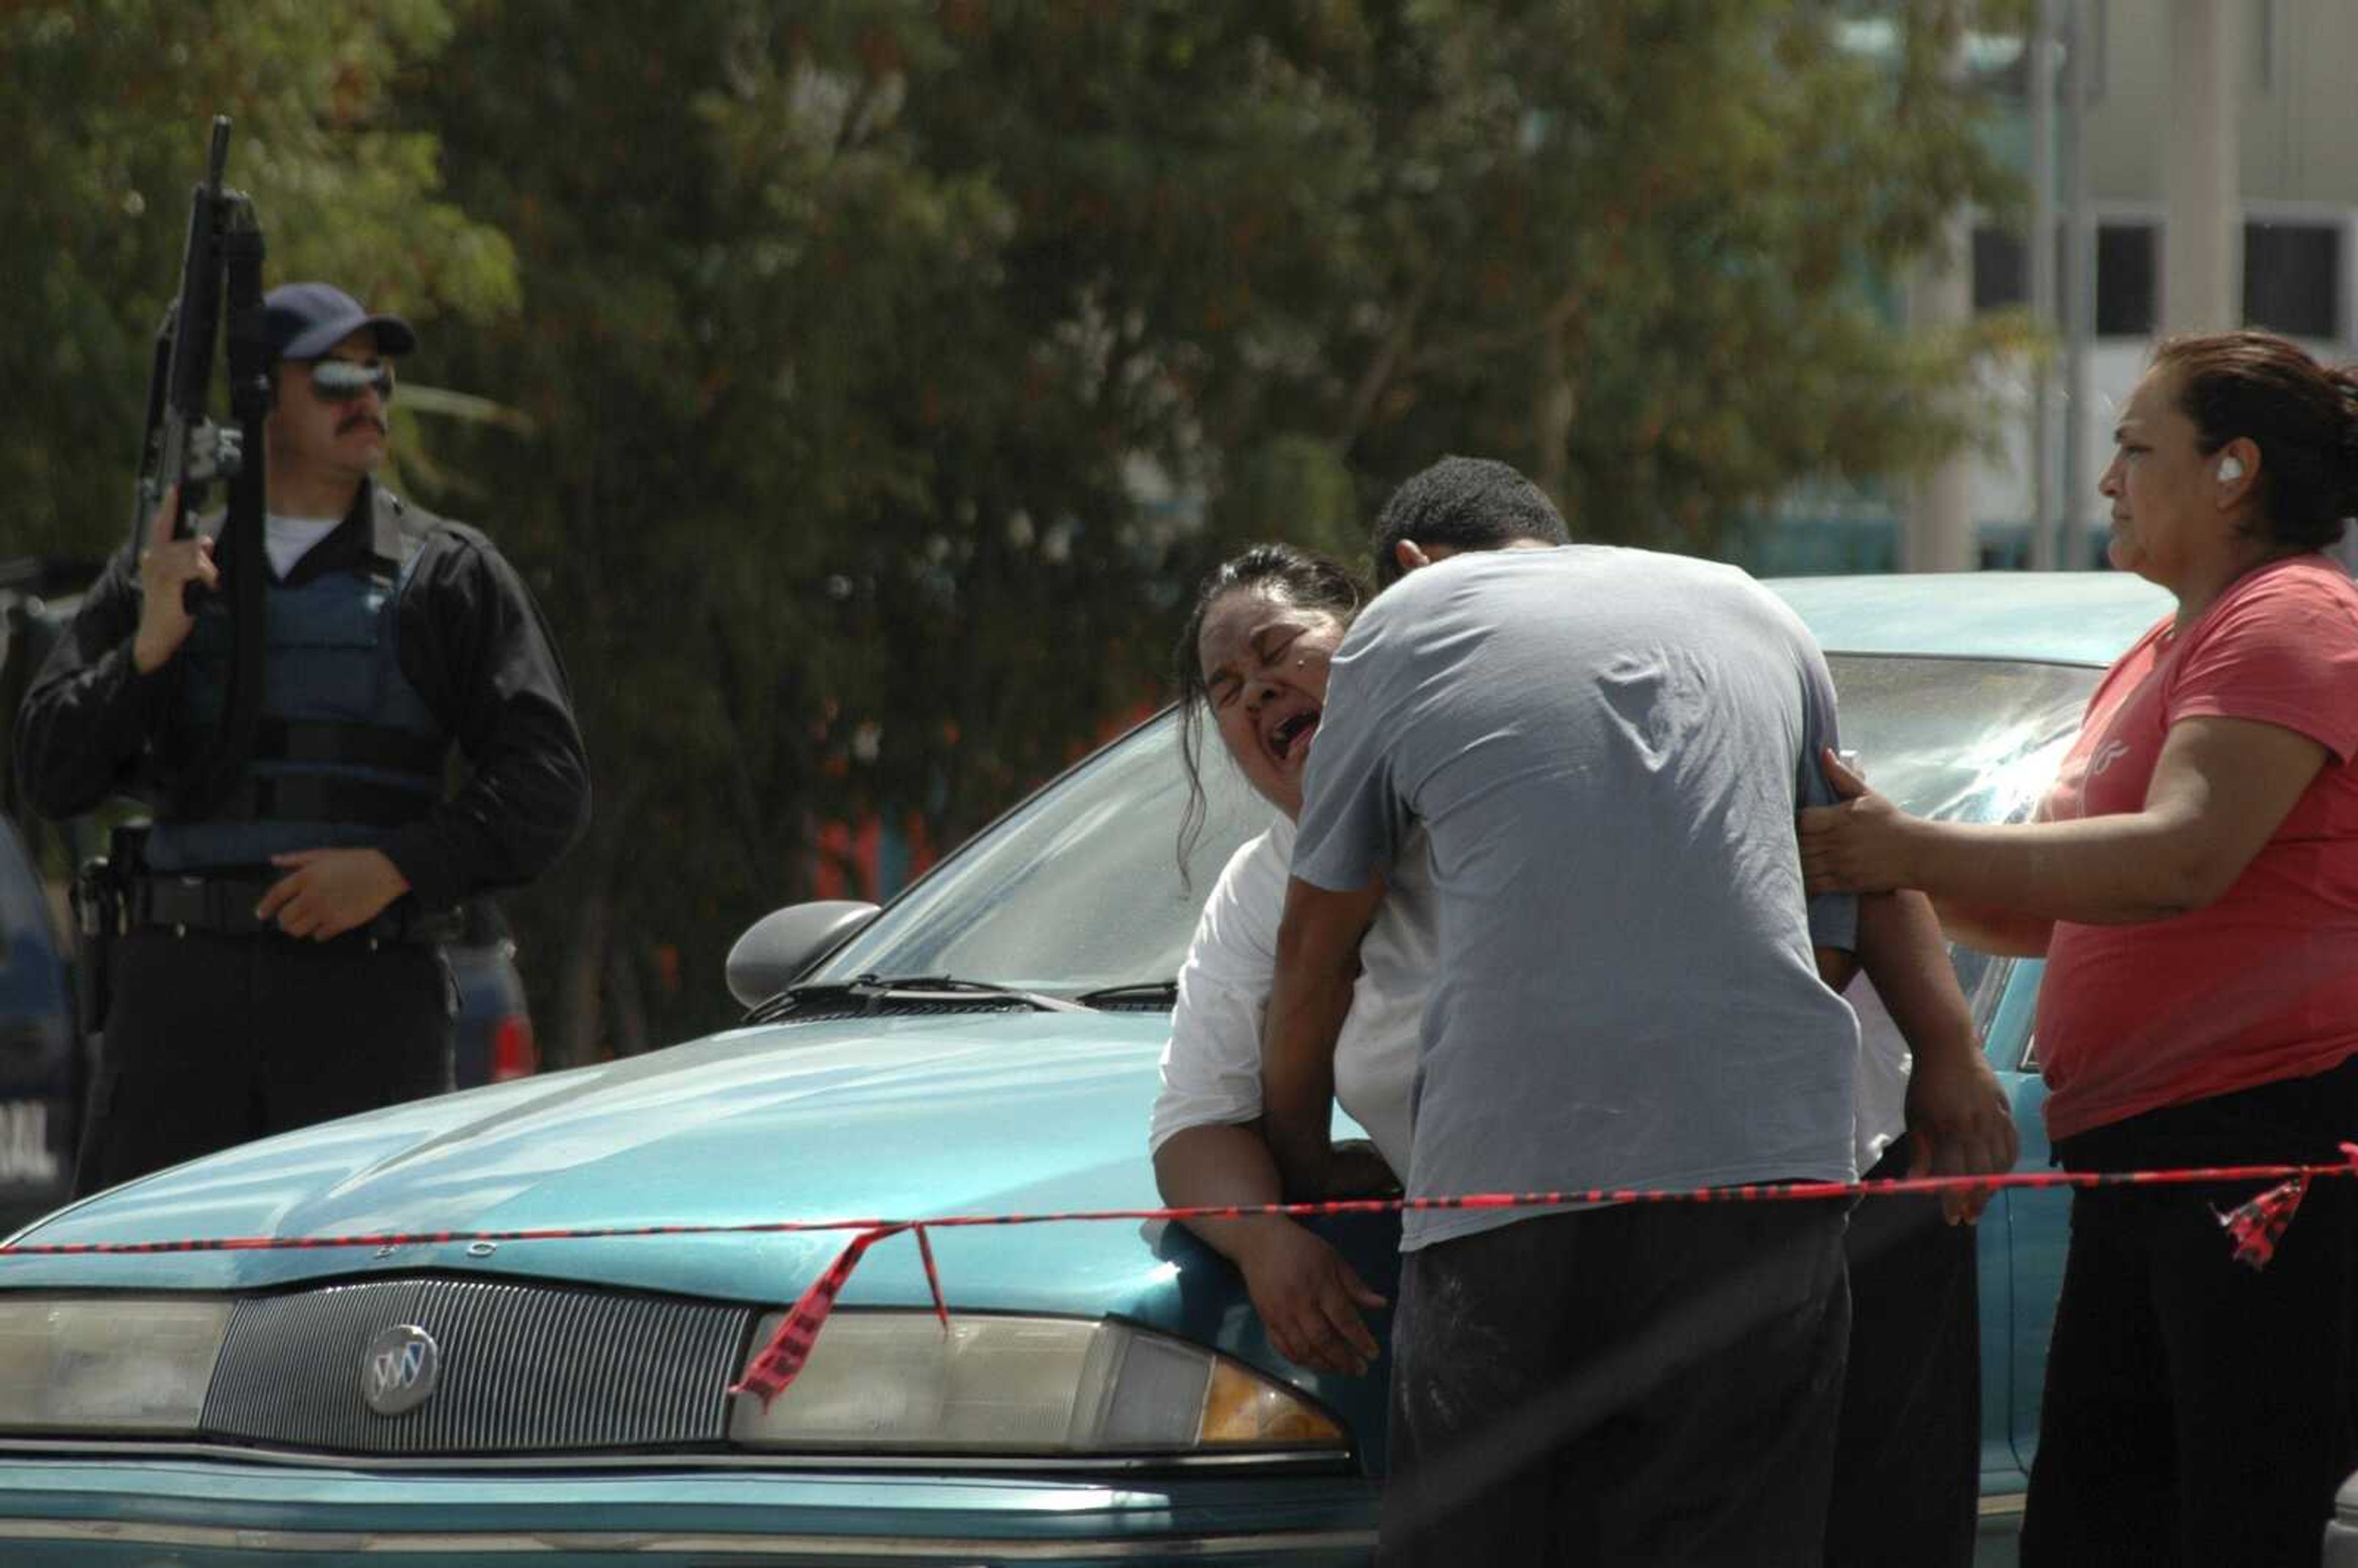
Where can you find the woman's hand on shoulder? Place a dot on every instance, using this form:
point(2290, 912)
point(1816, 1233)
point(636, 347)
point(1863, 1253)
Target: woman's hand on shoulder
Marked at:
point(1860, 846)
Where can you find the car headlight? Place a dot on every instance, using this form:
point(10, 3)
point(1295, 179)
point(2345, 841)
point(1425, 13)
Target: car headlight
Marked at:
point(107, 1364)
point(887, 1380)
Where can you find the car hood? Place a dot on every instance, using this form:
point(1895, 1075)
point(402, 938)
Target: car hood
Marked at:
point(884, 1117)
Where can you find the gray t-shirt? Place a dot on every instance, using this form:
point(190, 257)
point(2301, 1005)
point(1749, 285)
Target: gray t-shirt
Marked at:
point(1606, 748)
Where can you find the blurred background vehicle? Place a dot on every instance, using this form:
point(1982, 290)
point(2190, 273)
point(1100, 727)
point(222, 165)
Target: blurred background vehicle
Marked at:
point(494, 1040)
point(42, 1066)
point(44, 1060)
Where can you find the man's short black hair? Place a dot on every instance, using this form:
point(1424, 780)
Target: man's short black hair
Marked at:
point(1466, 503)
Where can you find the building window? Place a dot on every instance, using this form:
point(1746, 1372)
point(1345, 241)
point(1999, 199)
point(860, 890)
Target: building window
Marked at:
point(2126, 297)
point(2292, 278)
point(2001, 269)
point(2125, 279)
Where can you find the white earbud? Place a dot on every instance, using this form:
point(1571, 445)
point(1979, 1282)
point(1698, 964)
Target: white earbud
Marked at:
point(2229, 470)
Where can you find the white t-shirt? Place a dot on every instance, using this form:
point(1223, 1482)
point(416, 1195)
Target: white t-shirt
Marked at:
point(1884, 1062)
point(1211, 1066)
point(286, 539)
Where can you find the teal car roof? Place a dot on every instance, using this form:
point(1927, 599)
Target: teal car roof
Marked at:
point(2076, 618)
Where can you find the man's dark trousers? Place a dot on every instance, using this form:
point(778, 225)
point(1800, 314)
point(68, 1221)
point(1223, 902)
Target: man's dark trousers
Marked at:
point(1907, 1449)
point(212, 1039)
point(1634, 1385)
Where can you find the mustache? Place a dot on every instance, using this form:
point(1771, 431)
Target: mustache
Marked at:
point(375, 420)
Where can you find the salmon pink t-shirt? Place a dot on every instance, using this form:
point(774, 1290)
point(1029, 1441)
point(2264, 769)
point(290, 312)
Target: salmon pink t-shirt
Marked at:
point(2263, 984)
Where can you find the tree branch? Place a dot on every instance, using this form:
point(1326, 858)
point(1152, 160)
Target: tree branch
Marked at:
point(1379, 372)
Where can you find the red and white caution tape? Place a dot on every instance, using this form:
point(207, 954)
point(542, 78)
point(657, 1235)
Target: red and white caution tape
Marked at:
point(2254, 1228)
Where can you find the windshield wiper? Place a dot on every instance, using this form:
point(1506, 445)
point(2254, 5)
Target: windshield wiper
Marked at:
point(1161, 993)
point(873, 988)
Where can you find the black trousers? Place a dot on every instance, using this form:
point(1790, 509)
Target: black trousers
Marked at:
point(211, 1041)
point(1908, 1460)
point(2198, 1411)
point(1634, 1385)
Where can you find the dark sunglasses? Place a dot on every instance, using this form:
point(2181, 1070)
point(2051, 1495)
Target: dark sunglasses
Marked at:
point(343, 380)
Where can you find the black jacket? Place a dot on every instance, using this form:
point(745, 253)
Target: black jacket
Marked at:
point(472, 642)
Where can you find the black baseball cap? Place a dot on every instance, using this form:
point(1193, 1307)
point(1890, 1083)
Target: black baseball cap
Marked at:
point(304, 321)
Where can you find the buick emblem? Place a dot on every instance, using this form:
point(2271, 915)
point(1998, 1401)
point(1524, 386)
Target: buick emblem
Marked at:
point(400, 1370)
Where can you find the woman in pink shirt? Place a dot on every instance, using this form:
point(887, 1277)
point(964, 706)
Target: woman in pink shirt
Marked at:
point(2193, 883)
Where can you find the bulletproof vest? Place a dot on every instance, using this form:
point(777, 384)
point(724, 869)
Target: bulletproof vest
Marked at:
point(346, 749)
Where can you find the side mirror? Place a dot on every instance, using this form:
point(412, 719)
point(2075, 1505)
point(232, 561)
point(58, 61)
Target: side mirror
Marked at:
point(782, 944)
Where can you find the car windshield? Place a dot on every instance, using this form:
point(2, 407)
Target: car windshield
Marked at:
point(1081, 887)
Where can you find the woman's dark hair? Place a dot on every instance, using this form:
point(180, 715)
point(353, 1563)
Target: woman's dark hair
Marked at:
point(1299, 577)
point(2301, 414)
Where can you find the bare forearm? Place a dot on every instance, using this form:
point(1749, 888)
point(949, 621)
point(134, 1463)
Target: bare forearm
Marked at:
point(1307, 1006)
point(1218, 1167)
point(1986, 929)
point(1305, 1016)
point(1318, 960)
point(2100, 870)
point(1957, 1110)
point(1901, 951)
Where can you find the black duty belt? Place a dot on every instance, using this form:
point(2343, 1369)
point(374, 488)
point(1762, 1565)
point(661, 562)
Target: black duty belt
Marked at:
point(223, 906)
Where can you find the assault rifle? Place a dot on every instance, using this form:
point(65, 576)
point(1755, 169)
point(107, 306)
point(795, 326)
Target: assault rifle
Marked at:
point(180, 446)
point(220, 282)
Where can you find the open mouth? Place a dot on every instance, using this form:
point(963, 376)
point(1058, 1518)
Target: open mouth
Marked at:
point(1291, 732)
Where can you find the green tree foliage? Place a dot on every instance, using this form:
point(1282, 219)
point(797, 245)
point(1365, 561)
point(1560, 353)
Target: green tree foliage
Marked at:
point(886, 372)
point(1643, 249)
point(852, 332)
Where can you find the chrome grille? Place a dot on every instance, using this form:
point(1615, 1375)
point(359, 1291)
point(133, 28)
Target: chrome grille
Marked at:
point(524, 1367)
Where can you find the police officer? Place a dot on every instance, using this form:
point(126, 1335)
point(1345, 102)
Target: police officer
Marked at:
point(281, 965)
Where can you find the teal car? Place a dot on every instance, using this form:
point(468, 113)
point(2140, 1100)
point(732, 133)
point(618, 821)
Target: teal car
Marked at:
point(987, 1044)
